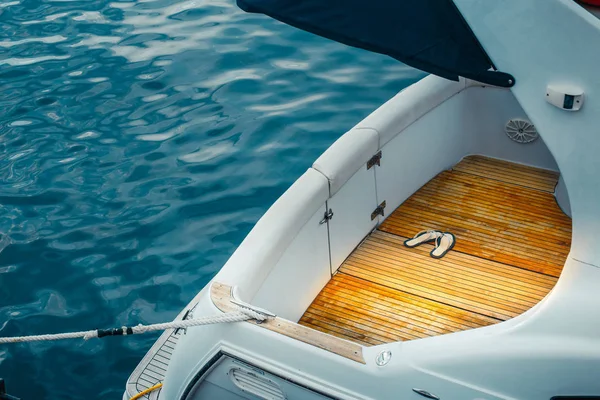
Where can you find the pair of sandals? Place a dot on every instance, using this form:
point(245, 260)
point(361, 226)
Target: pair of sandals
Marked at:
point(444, 242)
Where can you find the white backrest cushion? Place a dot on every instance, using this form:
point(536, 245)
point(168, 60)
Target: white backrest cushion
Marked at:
point(409, 105)
point(269, 239)
point(349, 153)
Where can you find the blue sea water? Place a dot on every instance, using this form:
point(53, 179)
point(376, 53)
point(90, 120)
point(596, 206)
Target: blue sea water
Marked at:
point(139, 143)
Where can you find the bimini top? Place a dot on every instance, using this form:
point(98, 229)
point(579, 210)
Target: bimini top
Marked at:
point(430, 35)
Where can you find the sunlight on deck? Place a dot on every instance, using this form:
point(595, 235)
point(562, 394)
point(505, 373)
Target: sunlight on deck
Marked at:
point(512, 241)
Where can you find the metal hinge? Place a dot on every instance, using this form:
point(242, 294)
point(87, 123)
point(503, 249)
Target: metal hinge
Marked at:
point(375, 160)
point(328, 215)
point(378, 211)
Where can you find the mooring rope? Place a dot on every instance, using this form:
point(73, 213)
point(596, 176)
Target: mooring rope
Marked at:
point(242, 314)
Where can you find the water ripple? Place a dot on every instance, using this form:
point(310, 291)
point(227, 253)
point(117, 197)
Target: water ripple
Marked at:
point(141, 140)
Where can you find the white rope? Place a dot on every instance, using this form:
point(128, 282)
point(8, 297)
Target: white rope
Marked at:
point(242, 314)
point(37, 338)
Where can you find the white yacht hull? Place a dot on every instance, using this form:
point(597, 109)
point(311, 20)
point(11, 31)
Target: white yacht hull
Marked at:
point(553, 349)
point(289, 256)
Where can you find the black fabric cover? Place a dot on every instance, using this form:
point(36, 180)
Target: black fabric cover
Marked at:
point(430, 35)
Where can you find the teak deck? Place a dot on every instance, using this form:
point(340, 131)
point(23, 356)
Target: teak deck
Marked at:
point(511, 242)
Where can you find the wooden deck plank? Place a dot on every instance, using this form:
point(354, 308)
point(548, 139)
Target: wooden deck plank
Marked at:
point(321, 324)
point(389, 314)
point(512, 241)
point(421, 309)
point(516, 290)
point(492, 168)
point(389, 307)
point(496, 220)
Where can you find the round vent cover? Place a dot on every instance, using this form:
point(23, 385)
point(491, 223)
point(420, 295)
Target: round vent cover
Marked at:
point(521, 130)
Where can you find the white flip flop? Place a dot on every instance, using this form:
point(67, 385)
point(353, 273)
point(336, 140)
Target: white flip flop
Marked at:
point(443, 244)
point(422, 237)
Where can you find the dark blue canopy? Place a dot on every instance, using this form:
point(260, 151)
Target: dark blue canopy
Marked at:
point(430, 35)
